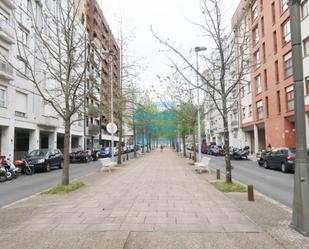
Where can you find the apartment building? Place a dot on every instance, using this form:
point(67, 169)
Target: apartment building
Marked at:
point(98, 87)
point(26, 121)
point(267, 114)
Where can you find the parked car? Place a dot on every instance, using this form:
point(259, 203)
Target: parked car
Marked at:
point(104, 152)
point(280, 158)
point(45, 159)
point(260, 156)
point(79, 155)
point(213, 150)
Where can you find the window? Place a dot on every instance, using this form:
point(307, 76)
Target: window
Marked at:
point(250, 111)
point(259, 110)
point(265, 79)
point(244, 113)
point(2, 96)
point(267, 107)
point(277, 71)
point(278, 102)
point(307, 84)
point(242, 92)
point(256, 37)
point(257, 59)
point(262, 24)
point(306, 46)
point(275, 42)
point(288, 65)
point(264, 52)
point(305, 9)
point(284, 5)
point(286, 32)
point(23, 36)
point(249, 87)
point(254, 10)
point(273, 11)
point(290, 98)
point(258, 87)
point(21, 104)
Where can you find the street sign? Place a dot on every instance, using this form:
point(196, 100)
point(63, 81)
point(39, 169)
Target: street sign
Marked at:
point(111, 128)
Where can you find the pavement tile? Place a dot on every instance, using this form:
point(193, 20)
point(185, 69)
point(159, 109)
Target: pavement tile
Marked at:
point(103, 227)
point(71, 227)
point(137, 227)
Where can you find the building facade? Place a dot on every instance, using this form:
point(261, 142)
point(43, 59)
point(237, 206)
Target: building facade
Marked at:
point(26, 121)
point(267, 103)
point(99, 74)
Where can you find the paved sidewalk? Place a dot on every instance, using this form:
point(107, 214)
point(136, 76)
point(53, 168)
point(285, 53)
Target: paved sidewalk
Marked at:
point(157, 201)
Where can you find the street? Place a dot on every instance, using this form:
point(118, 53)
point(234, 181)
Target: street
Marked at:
point(272, 183)
point(25, 186)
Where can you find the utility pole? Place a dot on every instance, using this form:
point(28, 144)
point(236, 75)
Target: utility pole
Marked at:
point(300, 218)
point(199, 138)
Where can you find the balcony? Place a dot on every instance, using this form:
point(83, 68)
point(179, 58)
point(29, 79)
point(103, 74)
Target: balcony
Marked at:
point(6, 32)
point(6, 70)
point(9, 3)
point(48, 121)
point(234, 124)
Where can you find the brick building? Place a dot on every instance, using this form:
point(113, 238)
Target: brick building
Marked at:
point(267, 116)
point(101, 40)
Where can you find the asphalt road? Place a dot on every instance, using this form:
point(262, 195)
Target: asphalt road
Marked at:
point(272, 183)
point(25, 186)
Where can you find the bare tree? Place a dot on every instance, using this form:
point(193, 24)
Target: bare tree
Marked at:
point(55, 62)
point(130, 75)
point(225, 69)
point(175, 89)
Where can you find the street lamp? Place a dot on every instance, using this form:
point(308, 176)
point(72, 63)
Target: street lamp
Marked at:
point(197, 50)
point(300, 218)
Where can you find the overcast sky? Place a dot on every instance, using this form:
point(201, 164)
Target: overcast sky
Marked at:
point(169, 18)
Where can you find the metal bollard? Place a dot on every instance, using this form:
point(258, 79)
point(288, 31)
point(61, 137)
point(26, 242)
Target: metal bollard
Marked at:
point(127, 156)
point(218, 174)
point(250, 193)
point(190, 155)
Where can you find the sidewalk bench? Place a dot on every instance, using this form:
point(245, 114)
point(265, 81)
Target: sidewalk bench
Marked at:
point(203, 165)
point(139, 153)
point(107, 164)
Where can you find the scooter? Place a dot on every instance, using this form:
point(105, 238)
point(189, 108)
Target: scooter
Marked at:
point(3, 177)
point(240, 153)
point(11, 170)
point(24, 167)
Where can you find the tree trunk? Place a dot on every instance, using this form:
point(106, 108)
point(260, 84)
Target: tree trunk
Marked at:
point(184, 145)
point(134, 140)
point(143, 142)
point(194, 146)
point(228, 165)
point(66, 153)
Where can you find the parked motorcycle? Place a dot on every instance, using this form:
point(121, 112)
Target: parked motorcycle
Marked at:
point(24, 167)
point(3, 177)
point(11, 170)
point(239, 153)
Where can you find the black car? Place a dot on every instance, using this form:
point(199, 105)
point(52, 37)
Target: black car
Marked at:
point(45, 159)
point(280, 158)
point(213, 150)
point(79, 155)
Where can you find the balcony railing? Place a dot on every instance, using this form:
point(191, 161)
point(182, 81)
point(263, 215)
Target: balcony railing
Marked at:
point(6, 70)
point(234, 123)
point(6, 32)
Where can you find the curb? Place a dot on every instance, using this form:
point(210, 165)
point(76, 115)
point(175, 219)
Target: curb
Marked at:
point(38, 193)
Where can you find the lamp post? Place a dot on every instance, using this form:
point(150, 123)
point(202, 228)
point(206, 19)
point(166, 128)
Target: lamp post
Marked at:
point(300, 218)
point(197, 50)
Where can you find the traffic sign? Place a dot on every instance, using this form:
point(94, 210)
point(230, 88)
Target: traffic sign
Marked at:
point(111, 128)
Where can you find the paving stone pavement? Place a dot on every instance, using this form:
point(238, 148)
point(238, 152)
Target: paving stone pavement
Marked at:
point(154, 202)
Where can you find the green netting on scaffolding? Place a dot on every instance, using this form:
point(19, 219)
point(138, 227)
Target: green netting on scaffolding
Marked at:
point(157, 124)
